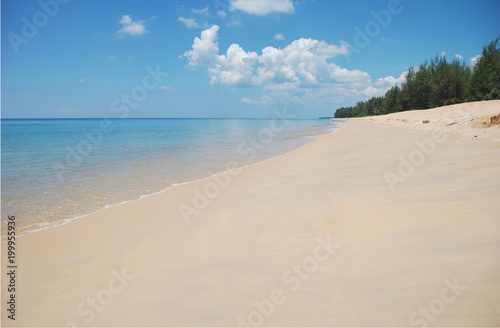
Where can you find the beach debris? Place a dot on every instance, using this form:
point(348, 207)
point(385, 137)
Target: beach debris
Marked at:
point(425, 121)
point(495, 119)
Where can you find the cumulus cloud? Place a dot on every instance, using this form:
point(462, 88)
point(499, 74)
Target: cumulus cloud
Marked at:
point(205, 49)
point(301, 70)
point(459, 57)
point(388, 82)
point(189, 22)
point(263, 7)
point(131, 27)
point(474, 60)
point(279, 36)
point(302, 61)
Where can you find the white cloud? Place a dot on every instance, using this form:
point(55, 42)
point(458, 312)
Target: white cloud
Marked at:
point(279, 36)
point(301, 71)
point(443, 54)
point(474, 60)
point(165, 87)
point(131, 27)
point(459, 57)
point(189, 22)
point(82, 80)
point(263, 7)
point(126, 20)
point(262, 101)
point(388, 82)
point(302, 61)
point(203, 11)
point(250, 101)
point(222, 14)
point(205, 50)
point(234, 68)
point(108, 57)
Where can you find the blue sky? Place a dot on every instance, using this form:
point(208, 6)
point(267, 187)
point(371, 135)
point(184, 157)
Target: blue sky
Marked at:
point(223, 58)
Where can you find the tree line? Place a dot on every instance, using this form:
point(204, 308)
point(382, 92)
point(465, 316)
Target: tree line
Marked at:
point(435, 83)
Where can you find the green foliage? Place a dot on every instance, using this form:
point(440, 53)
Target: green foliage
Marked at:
point(485, 82)
point(437, 83)
point(390, 104)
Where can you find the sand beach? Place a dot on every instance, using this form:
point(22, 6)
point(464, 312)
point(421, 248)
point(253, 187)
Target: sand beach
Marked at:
point(389, 221)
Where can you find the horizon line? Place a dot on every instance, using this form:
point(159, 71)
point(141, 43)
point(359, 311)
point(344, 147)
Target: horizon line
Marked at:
point(151, 118)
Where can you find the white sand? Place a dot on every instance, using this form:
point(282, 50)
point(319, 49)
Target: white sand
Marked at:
point(397, 250)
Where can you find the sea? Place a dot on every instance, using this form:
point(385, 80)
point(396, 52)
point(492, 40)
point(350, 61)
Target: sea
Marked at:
point(56, 170)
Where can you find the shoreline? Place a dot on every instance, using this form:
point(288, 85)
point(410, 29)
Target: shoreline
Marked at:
point(312, 237)
point(71, 219)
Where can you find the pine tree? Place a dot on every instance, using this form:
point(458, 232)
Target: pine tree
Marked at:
point(437, 83)
point(486, 77)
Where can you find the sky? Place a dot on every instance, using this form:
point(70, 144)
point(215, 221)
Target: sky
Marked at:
point(223, 58)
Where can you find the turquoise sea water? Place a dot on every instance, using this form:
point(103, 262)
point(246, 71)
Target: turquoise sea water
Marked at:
point(54, 170)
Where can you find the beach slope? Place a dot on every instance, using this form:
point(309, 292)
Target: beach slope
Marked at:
point(384, 222)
